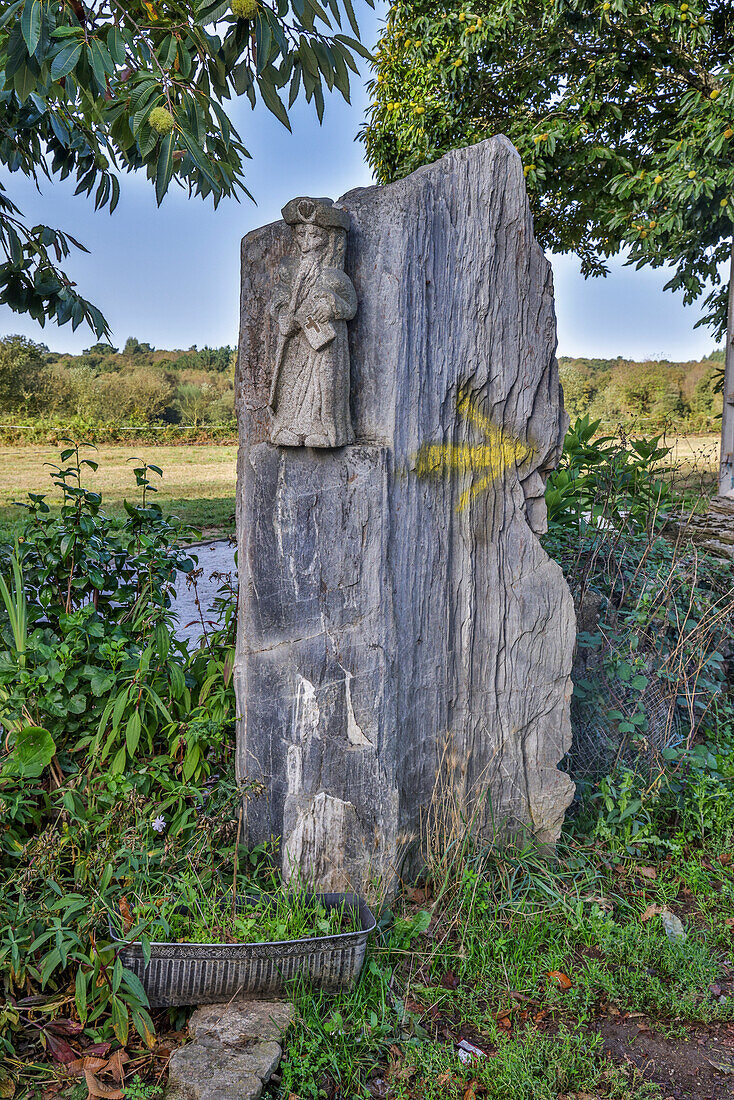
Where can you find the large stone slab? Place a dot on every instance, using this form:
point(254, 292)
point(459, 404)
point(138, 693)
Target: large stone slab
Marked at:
point(393, 592)
point(233, 1054)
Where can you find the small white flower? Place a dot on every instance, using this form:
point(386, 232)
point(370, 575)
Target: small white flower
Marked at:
point(159, 824)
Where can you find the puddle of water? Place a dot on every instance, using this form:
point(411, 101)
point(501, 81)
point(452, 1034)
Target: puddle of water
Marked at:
point(213, 557)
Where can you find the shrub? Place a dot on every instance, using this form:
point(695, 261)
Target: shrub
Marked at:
point(110, 723)
point(651, 714)
point(25, 378)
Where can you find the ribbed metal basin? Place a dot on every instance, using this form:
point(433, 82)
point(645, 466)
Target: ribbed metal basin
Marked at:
point(204, 973)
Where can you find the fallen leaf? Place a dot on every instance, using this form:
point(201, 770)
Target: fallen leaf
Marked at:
point(116, 1063)
point(647, 872)
point(96, 1088)
point(449, 980)
point(725, 858)
point(60, 1049)
point(127, 915)
point(418, 895)
point(560, 979)
point(87, 1061)
point(651, 911)
point(469, 1093)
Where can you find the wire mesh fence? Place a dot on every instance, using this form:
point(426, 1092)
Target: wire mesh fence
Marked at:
point(601, 717)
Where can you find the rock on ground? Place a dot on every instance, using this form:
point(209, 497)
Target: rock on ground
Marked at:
point(235, 1051)
point(399, 619)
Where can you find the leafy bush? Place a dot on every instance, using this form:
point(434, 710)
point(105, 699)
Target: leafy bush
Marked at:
point(652, 715)
point(104, 387)
point(116, 759)
point(676, 396)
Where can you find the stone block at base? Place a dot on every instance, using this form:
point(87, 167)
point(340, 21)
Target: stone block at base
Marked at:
point(233, 1054)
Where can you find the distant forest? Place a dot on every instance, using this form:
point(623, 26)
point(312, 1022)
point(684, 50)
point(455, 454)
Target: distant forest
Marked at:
point(652, 395)
point(140, 385)
point(135, 385)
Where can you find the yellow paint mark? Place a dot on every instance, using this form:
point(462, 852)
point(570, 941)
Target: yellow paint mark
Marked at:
point(489, 460)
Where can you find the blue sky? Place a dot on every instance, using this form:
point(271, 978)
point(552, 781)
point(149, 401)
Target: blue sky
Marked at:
point(171, 275)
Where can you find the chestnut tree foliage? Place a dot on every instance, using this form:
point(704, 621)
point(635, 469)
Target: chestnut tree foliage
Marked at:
point(622, 112)
point(93, 88)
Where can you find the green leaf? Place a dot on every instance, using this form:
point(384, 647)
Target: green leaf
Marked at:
point(116, 46)
point(132, 732)
point(354, 46)
point(164, 168)
point(24, 83)
point(102, 62)
point(65, 60)
point(80, 995)
point(33, 750)
point(133, 983)
point(272, 100)
point(162, 641)
point(119, 707)
point(178, 680)
point(101, 682)
point(199, 158)
point(30, 23)
point(144, 1026)
point(117, 972)
point(120, 1021)
point(191, 762)
point(117, 766)
point(77, 704)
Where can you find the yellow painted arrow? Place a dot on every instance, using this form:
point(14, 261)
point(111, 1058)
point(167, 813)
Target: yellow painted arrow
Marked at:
point(489, 459)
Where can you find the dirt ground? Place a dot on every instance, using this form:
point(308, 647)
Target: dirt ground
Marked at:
point(697, 1067)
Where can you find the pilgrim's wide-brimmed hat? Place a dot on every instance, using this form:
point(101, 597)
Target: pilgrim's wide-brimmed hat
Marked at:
point(321, 212)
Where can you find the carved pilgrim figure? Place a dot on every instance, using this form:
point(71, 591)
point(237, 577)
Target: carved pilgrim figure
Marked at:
point(312, 302)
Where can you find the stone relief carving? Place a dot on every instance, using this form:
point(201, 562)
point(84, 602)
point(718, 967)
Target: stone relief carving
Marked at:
point(311, 303)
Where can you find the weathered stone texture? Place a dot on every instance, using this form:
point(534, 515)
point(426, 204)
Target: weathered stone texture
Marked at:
point(241, 1022)
point(233, 1054)
point(392, 592)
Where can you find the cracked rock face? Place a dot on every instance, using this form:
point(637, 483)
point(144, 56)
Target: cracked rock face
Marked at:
point(394, 596)
point(234, 1053)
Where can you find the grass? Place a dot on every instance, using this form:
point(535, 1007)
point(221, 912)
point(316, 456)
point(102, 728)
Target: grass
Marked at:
point(536, 1066)
point(694, 461)
point(198, 482)
point(525, 960)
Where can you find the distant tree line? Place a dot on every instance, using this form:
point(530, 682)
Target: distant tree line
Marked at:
point(136, 386)
point(140, 385)
point(653, 394)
